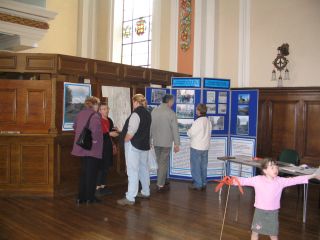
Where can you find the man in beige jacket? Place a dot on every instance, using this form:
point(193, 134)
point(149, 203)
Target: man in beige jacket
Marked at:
point(164, 133)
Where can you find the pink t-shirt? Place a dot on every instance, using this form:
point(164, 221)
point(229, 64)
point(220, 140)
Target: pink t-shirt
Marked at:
point(268, 191)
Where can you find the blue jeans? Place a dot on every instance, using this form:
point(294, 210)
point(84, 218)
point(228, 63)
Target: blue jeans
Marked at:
point(137, 170)
point(199, 166)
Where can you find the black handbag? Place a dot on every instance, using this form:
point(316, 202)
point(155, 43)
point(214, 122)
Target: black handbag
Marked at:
point(85, 138)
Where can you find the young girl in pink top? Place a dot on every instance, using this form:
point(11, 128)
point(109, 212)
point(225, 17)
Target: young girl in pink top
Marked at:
point(268, 189)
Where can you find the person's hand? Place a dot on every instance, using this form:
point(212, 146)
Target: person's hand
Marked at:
point(176, 148)
point(114, 134)
point(316, 174)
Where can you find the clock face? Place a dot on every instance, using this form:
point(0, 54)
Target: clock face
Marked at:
point(280, 62)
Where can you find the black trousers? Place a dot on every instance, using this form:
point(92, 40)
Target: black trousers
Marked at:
point(107, 160)
point(88, 177)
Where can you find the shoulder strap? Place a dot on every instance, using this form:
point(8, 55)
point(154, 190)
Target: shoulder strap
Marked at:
point(88, 122)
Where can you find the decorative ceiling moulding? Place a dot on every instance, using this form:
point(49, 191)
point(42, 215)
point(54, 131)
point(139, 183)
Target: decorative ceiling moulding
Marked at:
point(22, 25)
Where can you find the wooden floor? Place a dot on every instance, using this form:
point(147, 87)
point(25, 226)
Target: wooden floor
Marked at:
point(177, 214)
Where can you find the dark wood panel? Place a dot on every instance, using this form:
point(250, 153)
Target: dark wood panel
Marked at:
point(159, 77)
point(40, 62)
point(25, 105)
point(312, 129)
point(36, 107)
point(8, 106)
point(284, 125)
point(73, 65)
point(4, 163)
point(288, 118)
point(8, 61)
point(107, 70)
point(136, 74)
point(34, 164)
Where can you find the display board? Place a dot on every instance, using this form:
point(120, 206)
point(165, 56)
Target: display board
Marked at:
point(243, 129)
point(233, 114)
point(119, 103)
point(74, 96)
point(180, 162)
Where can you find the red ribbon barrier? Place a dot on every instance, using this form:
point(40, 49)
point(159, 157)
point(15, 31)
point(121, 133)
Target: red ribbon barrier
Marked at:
point(229, 181)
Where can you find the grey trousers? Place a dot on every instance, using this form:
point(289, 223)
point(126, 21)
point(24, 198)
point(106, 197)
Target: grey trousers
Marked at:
point(163, 158)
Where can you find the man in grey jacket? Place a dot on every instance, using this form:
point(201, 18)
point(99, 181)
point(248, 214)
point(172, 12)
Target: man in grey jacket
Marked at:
point(164, 132)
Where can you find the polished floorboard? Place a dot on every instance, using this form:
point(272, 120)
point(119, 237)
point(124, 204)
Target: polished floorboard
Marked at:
point(177, 214)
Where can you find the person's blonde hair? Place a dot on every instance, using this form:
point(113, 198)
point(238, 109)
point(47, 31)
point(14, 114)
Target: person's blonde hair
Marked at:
point(140, 99)
point(91, 101)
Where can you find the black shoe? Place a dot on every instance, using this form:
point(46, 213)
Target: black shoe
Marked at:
point(204, 188)
point(95, 200)
point(80, 201)
point(163, 189)
point(193, 187)
point(105, 191)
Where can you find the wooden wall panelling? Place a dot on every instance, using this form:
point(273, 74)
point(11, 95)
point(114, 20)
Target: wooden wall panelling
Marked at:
point(4, 163)
point(8, 105)
point(73, 65)
point(8, 62)
point(41, 63)
point(25, 105)
point(311, 136)
point(26, 164)
point(159, 77)
point(108, 70)
point(138, 75)
point(34, 164)
point(288, 118)
point(284, 126)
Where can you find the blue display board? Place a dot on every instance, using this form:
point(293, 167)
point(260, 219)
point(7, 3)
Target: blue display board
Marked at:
point(216, 83)
point(185, 82)
point(243, 129)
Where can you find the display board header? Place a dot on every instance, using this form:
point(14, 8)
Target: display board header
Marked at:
point(184, 82)
point(216, 83)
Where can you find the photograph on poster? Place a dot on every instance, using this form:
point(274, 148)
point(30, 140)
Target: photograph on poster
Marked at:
point(242, 125)
point(243, 110)
point(184, 125)
point(217, 122)
point(211, 96)
point(185, 111)
point(74, 97)
point(151, 107)
point(211, 109)
point(185, 96)
point(157, 95)
point(244, 98)
point(222, 108)
point(223, 97)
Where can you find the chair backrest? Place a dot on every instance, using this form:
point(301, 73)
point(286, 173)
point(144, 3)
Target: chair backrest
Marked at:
point(289, 156)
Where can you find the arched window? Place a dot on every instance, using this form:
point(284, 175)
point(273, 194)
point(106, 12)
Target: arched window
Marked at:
point(136, 32)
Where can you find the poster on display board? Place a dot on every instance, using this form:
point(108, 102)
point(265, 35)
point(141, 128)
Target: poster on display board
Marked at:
point(74, 96)
point(180, 162)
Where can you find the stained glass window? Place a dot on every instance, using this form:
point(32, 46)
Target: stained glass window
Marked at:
point(136, 32)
